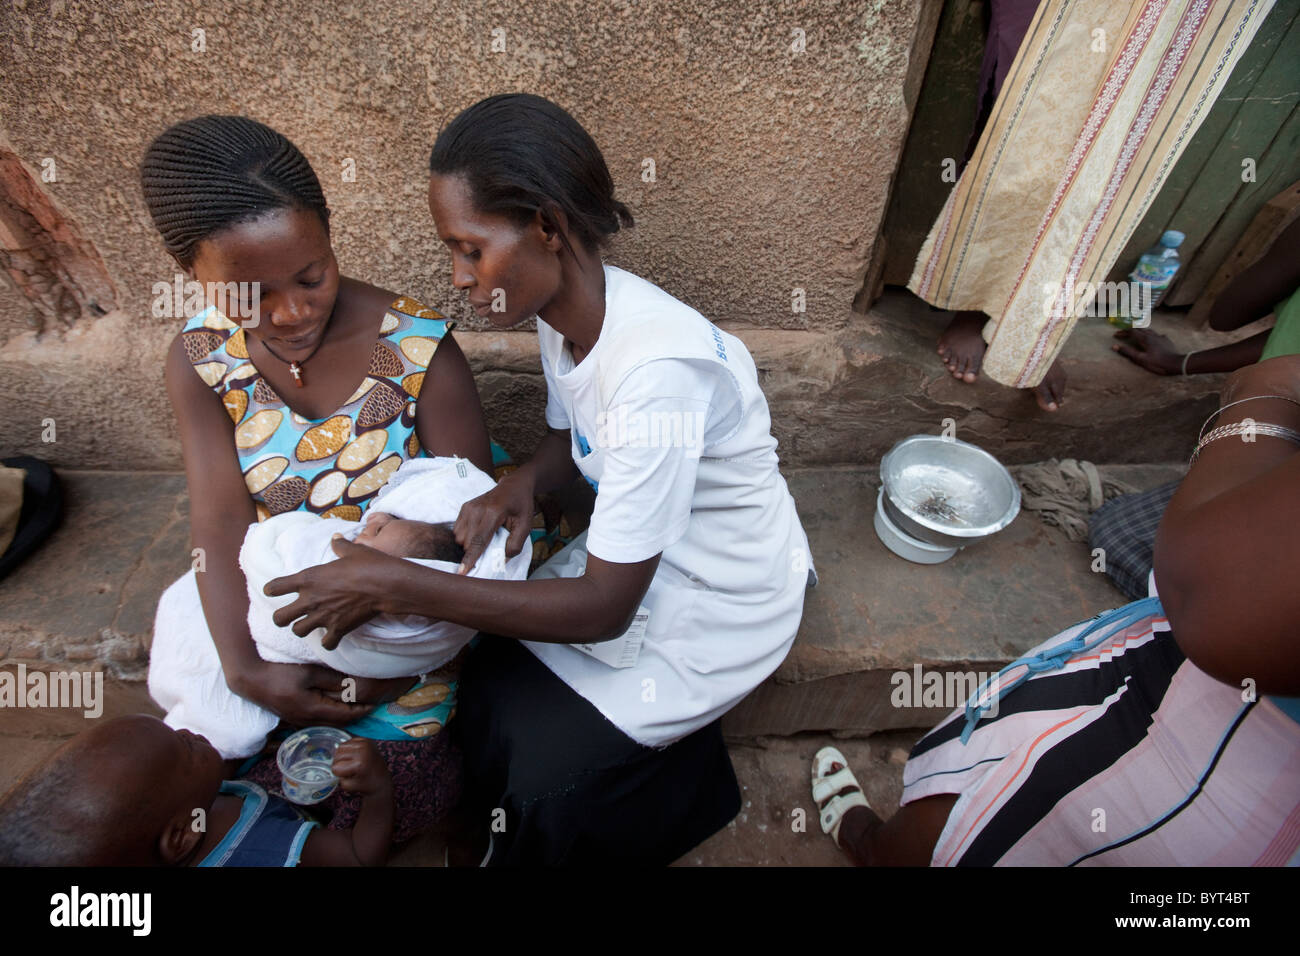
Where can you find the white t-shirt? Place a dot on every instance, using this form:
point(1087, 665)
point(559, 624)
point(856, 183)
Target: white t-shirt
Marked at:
point(669, 424)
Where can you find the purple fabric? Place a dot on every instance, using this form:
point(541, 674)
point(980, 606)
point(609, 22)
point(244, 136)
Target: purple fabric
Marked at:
point(427, 776)
point(1008, 23)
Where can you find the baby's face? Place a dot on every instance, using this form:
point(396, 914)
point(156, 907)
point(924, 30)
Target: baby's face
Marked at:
point(395, 536)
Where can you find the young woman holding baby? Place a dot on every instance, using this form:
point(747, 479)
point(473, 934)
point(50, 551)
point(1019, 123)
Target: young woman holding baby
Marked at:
point(309, 405)
point(589, 708)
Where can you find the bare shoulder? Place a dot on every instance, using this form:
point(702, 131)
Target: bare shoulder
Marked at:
point(179, 371)
point(363, 295)
point(361, 306)
point(366, 304)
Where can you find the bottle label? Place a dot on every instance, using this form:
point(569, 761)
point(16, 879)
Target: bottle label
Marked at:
point(1155, 273)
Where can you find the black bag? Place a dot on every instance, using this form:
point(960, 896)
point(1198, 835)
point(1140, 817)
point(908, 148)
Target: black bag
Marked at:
point(41, 512)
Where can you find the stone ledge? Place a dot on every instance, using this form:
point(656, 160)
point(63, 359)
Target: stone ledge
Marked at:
point(88, 597)
point(89, 594)
point(874, 614)
point(836, 397)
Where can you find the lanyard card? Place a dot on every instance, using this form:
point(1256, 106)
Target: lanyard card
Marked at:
point(624, 650)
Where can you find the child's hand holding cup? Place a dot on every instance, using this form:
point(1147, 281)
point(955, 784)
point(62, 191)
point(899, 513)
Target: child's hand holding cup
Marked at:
point(360, 768)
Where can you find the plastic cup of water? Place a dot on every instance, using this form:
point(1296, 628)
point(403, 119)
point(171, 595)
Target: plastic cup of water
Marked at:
point(305, 760)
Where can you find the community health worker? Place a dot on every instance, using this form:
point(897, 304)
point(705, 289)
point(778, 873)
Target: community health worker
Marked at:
point(589, 707)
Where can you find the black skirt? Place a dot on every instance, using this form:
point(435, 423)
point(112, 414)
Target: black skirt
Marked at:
point(554, 783)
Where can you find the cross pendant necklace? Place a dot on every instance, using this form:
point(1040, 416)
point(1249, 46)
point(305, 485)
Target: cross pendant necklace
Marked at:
point(296, 368)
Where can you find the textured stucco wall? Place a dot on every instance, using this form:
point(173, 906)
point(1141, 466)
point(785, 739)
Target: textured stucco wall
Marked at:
point(772, 167)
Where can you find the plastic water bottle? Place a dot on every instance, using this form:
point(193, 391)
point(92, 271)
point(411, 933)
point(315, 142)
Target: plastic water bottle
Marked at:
point(1150, 280)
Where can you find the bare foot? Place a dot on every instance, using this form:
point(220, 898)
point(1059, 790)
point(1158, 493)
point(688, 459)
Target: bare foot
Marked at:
point(962, 345)
point(1050, 392)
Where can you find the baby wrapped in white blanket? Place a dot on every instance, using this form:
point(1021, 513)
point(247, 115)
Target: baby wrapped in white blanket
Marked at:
point(404, 520)
point(185, 675)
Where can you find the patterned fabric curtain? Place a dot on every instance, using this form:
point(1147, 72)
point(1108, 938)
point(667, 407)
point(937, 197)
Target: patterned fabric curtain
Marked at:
point(1099, 104)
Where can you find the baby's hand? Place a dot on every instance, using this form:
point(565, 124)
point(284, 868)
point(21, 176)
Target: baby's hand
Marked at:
point(360, 768)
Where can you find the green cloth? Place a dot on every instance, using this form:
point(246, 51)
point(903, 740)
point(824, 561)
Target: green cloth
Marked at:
point(1285, 337)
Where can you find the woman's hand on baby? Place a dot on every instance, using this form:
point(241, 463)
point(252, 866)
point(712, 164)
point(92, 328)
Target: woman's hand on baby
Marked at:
point(509, 505)
point(360, 767)
point(302, 694)
point(338, 595)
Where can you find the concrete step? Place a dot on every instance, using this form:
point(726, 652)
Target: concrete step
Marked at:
point(844, 393)
point(87, 598)
point(875, 615)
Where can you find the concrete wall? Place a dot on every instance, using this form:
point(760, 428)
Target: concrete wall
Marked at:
point(772, 167)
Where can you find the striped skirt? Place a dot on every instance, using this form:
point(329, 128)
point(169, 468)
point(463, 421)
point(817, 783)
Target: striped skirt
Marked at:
point(1126, 755)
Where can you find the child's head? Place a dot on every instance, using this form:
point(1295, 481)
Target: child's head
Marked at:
point(515, 183)
point(123, 793)
point(404, 538)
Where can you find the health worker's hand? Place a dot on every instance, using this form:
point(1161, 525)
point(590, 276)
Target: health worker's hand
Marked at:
point(338, 595)
point(510, 505)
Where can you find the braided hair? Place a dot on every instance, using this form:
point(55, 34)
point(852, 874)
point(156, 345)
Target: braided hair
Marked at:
point(208, 173)
point(522, 155)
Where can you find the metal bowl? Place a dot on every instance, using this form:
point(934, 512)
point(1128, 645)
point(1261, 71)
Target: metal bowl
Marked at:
point(905, 545)
point(947, 492)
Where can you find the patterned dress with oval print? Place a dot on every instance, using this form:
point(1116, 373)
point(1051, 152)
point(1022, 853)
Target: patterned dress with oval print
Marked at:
point(333, 466)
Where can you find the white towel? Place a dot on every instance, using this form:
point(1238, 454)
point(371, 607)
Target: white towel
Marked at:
point(186, 680)
point(185, 675)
